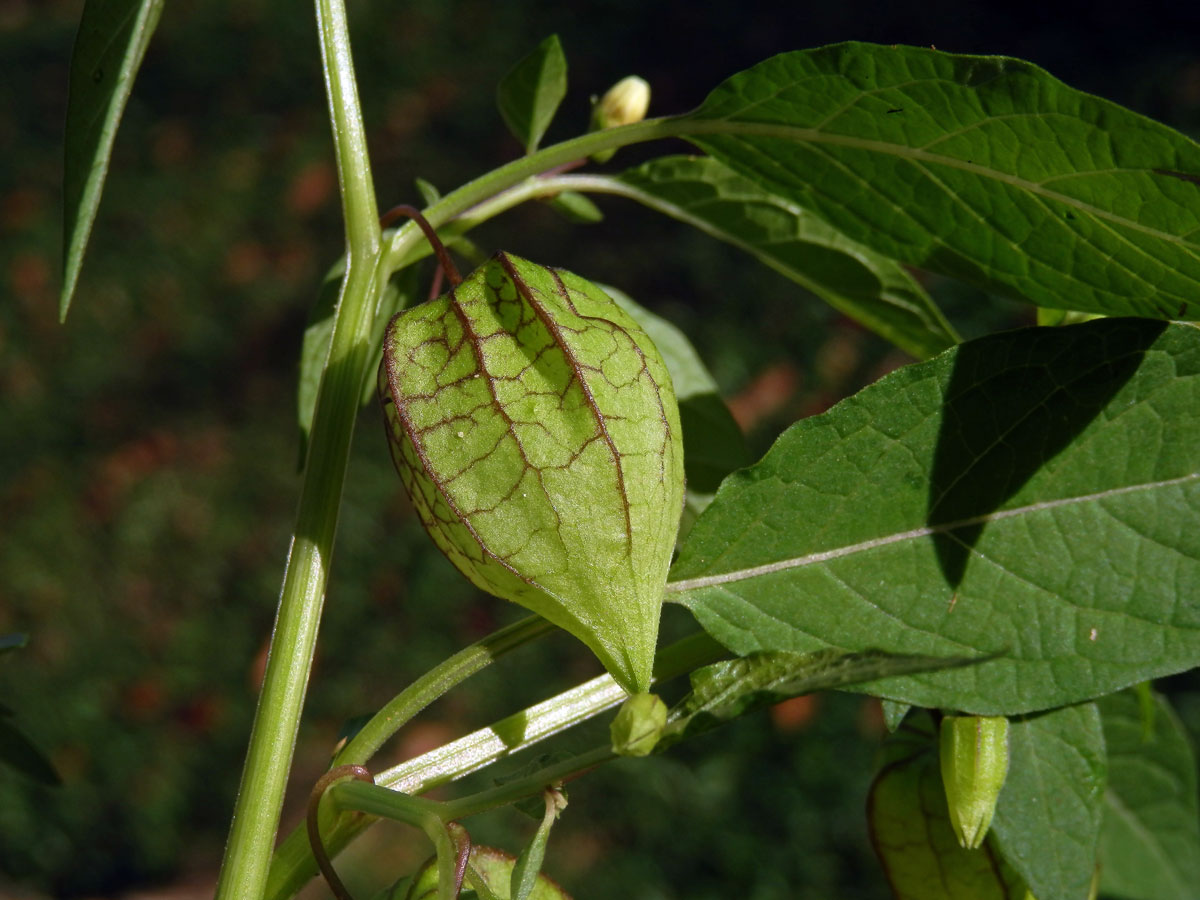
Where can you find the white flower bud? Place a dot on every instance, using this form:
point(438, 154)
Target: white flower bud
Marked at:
point(625, 103)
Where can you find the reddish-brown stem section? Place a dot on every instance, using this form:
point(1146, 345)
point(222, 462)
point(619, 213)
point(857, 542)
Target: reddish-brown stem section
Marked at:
point(435, 288)
point(435, 242)
point(565, 167)
point(462, 853)
point(314, 828)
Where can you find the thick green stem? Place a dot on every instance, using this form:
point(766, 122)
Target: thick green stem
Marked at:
point(293, 640)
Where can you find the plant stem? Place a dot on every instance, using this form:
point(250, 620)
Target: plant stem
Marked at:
point(293, 865)
point(293, 640)
point(434, 683)
point(528, 786)
point(387, 803)
point(508, 176)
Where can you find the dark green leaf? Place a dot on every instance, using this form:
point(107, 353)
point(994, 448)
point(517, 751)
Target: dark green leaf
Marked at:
point(490, 869)
point(529, 94)
point(1034, 494)
point(528, 867)
point(429, 193)
point(983, 168)
point(20, 753)
point(576, 207)
point(1047, 821)
point(713, 443)
point(534, 807)
point(1150, 842)
point(910, 829)
point(729, 689)
point(14, 641)
point(853, 279)
point(113, 36)
point(894, 713)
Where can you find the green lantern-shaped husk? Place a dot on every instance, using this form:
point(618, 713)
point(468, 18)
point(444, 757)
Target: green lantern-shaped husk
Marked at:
point(534, 426)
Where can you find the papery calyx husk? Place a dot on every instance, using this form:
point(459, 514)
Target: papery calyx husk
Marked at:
point(535, 428)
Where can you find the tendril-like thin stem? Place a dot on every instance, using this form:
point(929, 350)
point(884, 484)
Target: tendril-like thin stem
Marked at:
point(324, 863)
point(447, 264)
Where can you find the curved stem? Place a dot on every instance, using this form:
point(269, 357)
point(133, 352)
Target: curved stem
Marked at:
point(451, 842)
point(448, 267)
point(293, 640)
point(548, 159)
point(311, 821)
point(434, 684)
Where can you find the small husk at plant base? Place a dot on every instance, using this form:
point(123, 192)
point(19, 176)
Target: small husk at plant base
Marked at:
point(535, 428)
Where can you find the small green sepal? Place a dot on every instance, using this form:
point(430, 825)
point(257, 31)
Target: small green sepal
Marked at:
point(638, 726)
point(974, 760)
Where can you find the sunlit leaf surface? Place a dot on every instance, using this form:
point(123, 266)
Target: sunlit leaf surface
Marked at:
point(981, 167)
point(1034, 494)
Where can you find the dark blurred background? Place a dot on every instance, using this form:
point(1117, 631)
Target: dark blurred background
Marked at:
point(148, 447)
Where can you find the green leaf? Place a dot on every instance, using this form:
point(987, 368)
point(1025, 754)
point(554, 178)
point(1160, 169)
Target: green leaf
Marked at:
point(113, 36)
point(428, 191)
point(910, 829)
point(534, 807)
point(1047, 822)
point(894, 713)
point(494, 867)
point(1050, 317)
point(523, 881)
point(17, 751)
point(1034, 494)
point(529, 95)
point(726, 690)
point(980, 167)
point(576, 207)
point(534, 427)
point(713, 442)
point(314, 348)
point(1150, 841)
point(869, 288)
point(13, 641)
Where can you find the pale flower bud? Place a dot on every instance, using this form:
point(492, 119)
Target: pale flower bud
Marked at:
point(625, 102)
point(974, 762)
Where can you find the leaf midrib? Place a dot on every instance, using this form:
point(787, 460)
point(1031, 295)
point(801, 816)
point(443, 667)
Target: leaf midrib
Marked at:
point(735, 128)
point(823, 556)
